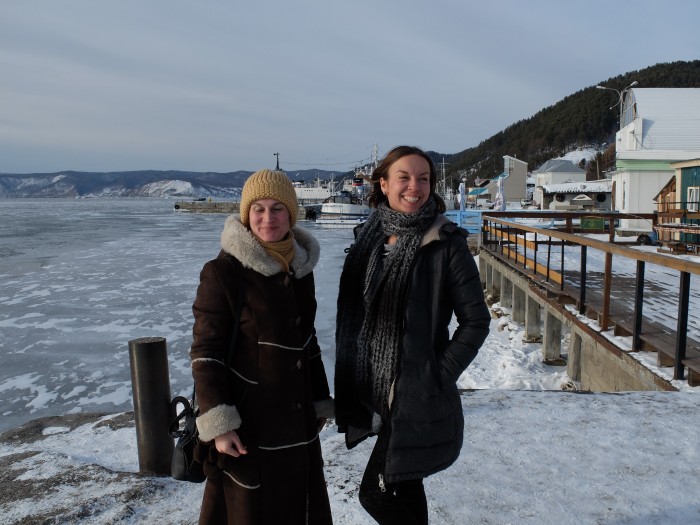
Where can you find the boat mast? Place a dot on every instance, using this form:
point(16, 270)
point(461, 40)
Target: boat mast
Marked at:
point(277, 168)
point(442, 183)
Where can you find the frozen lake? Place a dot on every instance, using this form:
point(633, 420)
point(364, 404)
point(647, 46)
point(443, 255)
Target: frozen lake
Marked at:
point(82, 277)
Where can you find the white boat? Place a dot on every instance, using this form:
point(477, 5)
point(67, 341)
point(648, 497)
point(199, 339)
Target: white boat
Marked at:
point(343, 210)
point(331, 204)
point(316, 193)
point(321, 190)
point(342, 205)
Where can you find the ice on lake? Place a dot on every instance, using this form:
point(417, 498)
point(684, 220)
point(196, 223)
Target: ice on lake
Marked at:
point(83, 277)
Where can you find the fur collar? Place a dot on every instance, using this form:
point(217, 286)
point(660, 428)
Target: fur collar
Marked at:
point(240, 242)
point(433, 232)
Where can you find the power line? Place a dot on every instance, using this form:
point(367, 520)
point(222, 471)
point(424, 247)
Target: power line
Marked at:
point(349, 162)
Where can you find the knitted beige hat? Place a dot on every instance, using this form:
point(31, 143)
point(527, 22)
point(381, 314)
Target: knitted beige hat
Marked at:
point(268, 184)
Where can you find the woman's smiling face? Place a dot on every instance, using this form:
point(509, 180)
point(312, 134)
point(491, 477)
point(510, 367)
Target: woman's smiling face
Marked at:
point(407, 186)
point(269, 220)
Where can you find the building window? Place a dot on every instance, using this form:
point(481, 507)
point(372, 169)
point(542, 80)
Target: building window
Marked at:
point(629, 109)
point(693, 203)
point(559, 197)
point(509, 165)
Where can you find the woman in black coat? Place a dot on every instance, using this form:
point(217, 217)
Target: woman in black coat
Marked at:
point(407, 274)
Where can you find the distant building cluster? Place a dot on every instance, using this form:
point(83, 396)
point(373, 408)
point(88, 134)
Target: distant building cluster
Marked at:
point(657, 169)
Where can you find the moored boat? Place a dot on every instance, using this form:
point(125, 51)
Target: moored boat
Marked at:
point(343, 210)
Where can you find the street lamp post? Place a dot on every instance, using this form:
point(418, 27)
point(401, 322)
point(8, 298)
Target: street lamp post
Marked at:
point(620, 95)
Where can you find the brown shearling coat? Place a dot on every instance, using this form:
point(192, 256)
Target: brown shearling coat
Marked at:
point(275, 390)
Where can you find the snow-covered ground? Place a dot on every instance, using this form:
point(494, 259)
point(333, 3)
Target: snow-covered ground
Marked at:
point(83, 277)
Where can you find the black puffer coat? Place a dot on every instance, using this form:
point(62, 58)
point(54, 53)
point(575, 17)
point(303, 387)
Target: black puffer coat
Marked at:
point(427, 422)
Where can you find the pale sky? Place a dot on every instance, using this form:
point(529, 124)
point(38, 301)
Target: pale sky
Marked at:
point(213, 85)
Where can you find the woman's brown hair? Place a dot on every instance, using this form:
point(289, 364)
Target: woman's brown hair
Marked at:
point(382, 172)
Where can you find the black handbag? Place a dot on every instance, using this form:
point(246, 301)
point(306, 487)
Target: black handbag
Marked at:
point(184, 466)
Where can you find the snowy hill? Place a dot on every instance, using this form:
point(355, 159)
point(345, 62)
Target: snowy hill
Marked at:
point(579, 154)
point(123, 184)
point(147, 183)
point(152, 183)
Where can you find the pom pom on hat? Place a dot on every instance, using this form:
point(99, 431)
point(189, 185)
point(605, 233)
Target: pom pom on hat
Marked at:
point(268, 184)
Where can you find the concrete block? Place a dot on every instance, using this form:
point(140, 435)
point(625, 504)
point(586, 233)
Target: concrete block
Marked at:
point(574, 363)
point(533, 319)
point(551, 338)
point(506, 299)
point(519, 304)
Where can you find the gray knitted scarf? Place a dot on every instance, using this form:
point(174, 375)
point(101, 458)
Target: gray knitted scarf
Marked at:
point(371, 304)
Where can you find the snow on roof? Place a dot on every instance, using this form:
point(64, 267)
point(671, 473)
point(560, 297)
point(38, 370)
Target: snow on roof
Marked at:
point(598, 186)
point(559, 166)
point(493, 183)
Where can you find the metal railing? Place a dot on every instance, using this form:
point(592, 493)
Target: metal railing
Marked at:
point(521, 243)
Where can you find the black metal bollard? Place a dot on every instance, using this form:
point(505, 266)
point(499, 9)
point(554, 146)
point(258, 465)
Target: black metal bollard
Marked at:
point(150, 384)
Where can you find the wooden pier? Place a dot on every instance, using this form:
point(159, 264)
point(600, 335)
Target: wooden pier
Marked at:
point(207, 206)
point(547, 273)
point(227, 207)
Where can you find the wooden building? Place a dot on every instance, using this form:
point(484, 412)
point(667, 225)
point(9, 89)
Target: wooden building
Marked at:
point(678, 209)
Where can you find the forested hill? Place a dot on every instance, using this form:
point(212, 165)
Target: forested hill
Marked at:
point(583, 118)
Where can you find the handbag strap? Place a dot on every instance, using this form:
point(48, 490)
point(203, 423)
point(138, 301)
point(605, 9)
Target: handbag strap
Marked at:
point(187, 411)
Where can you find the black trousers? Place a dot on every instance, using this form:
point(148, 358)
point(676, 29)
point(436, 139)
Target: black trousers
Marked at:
point(401, 503)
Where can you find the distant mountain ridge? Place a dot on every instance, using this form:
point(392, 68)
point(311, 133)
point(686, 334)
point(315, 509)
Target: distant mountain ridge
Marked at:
point(146, 183)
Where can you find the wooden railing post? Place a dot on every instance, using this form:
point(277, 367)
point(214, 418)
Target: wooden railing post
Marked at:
point(607, 284)
point(638, 305)
point(549, 255)
point(682, 328)
point(563, 245)
point(582, 291)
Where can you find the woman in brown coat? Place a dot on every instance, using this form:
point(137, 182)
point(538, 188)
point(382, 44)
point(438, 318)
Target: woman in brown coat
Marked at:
point(260, 418)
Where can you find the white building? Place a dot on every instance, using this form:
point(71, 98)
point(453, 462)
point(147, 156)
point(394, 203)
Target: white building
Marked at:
point(555, 171)
point(514, 179)
point(658, 126)
point(587, 195)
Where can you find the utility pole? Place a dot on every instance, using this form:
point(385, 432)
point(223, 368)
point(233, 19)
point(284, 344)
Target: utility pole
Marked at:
point(442, 183)
point(277, 168)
